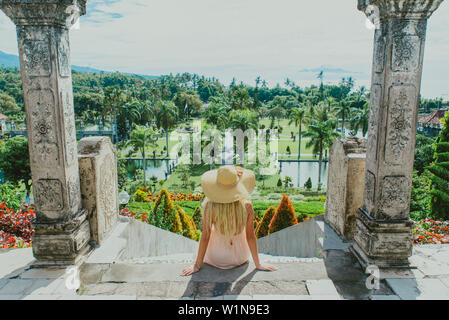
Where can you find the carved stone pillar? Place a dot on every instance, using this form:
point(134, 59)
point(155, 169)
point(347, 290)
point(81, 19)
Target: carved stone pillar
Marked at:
point(99, 186)
point(382, 235)
point(61, 227)
point(345, 183)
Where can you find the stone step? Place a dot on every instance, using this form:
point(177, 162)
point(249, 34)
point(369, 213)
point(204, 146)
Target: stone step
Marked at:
point(160, 277)
point(190, 258)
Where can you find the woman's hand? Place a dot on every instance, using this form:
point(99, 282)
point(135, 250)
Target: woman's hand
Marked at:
point(266, 268)
point(190, 270)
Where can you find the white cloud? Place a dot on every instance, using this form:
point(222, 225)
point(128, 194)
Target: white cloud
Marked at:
point(241, 38)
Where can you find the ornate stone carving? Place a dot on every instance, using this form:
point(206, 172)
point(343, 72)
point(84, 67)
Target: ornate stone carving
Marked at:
point(36, 57)
point(394, 198)
point(345, 184)
point(43, 129)
point(370, 190)
point(108, 188)
point(379, 51)
point(63, 57)
point(375, 101)
point(404, 9)
point(69, 121)
point(383, 225)
point(43, 13)
point(405, 57)
point(42, 31)
point(99, 187)
point(48, 194)
point(399, 124)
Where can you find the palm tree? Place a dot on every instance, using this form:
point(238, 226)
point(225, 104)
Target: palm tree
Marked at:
point(114, 98)
point(244, 120)
point(321, 134)
point(139, 138)
point(297, 117)
point(343, 109)
point(166, 114)
point(217, 113)
point(360, 119)
point(276, 112)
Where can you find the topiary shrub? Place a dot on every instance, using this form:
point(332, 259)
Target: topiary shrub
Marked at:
point(165, 216)
point(279, 184)
point(439, 186)
point(256, 224)
point(188, 227)
point(301, 217)
point(140, 196)
point(198, 218)
point(198, 235)
point(284, 217)
point(262, 230)
point(308, 184)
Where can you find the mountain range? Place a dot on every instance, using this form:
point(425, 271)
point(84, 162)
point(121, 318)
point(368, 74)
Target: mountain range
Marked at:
point(12, 61)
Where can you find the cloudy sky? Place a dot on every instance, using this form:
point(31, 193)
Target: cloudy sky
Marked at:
point(275, 39)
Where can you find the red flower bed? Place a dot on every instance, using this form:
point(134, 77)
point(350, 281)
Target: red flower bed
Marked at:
point(429, 231)
point(180, 196)
point(15, 226)
point(136, 215)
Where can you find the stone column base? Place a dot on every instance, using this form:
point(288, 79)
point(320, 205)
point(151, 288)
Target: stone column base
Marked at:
point(61, 244)
point(385, 244)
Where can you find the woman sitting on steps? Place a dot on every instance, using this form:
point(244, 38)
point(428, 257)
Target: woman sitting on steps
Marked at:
point(228, 224)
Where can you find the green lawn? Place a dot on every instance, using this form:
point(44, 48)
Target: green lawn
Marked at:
point(282, 144)
point(310, 208)
point(145, 207)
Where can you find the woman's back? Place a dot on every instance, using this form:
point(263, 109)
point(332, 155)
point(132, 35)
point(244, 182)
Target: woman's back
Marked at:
point(227, 251)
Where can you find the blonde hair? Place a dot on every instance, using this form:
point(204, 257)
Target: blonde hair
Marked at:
point(229, 219)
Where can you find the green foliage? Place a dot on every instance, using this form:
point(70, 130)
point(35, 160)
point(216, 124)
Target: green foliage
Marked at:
point(287, 181)
point(165, 216)
point(423, 152)
point(188, 226)
point(15, 162)
point(284, 217)
point(140, 196)
point(279, 184)
point(8, 105)
point(122, 174)
point(439, 190)
point(420, 198)
point(308, 184)
point(187, 103)
point(11, 196)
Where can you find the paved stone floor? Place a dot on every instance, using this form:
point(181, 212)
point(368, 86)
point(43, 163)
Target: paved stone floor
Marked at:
point(335, 277)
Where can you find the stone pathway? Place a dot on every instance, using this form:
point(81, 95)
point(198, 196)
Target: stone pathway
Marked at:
point(335, 277)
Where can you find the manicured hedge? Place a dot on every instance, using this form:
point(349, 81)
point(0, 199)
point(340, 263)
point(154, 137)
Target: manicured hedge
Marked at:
point(311, 208)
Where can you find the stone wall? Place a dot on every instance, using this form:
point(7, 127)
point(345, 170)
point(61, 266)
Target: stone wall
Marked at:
point(346, 182)
point(99, 185)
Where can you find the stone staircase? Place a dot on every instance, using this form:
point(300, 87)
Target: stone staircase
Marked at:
point(159, 278)
point(141, 261)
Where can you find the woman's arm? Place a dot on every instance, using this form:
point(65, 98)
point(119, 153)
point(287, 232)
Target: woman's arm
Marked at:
point(204, 241)
point(252, 240)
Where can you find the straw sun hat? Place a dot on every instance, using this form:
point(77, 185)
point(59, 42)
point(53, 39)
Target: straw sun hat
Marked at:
point(228, 184)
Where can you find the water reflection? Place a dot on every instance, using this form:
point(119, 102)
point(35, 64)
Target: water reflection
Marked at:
point(158, 168)
point(301, 171)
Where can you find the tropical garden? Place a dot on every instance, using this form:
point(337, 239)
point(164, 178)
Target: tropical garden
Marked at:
point(144, 114)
